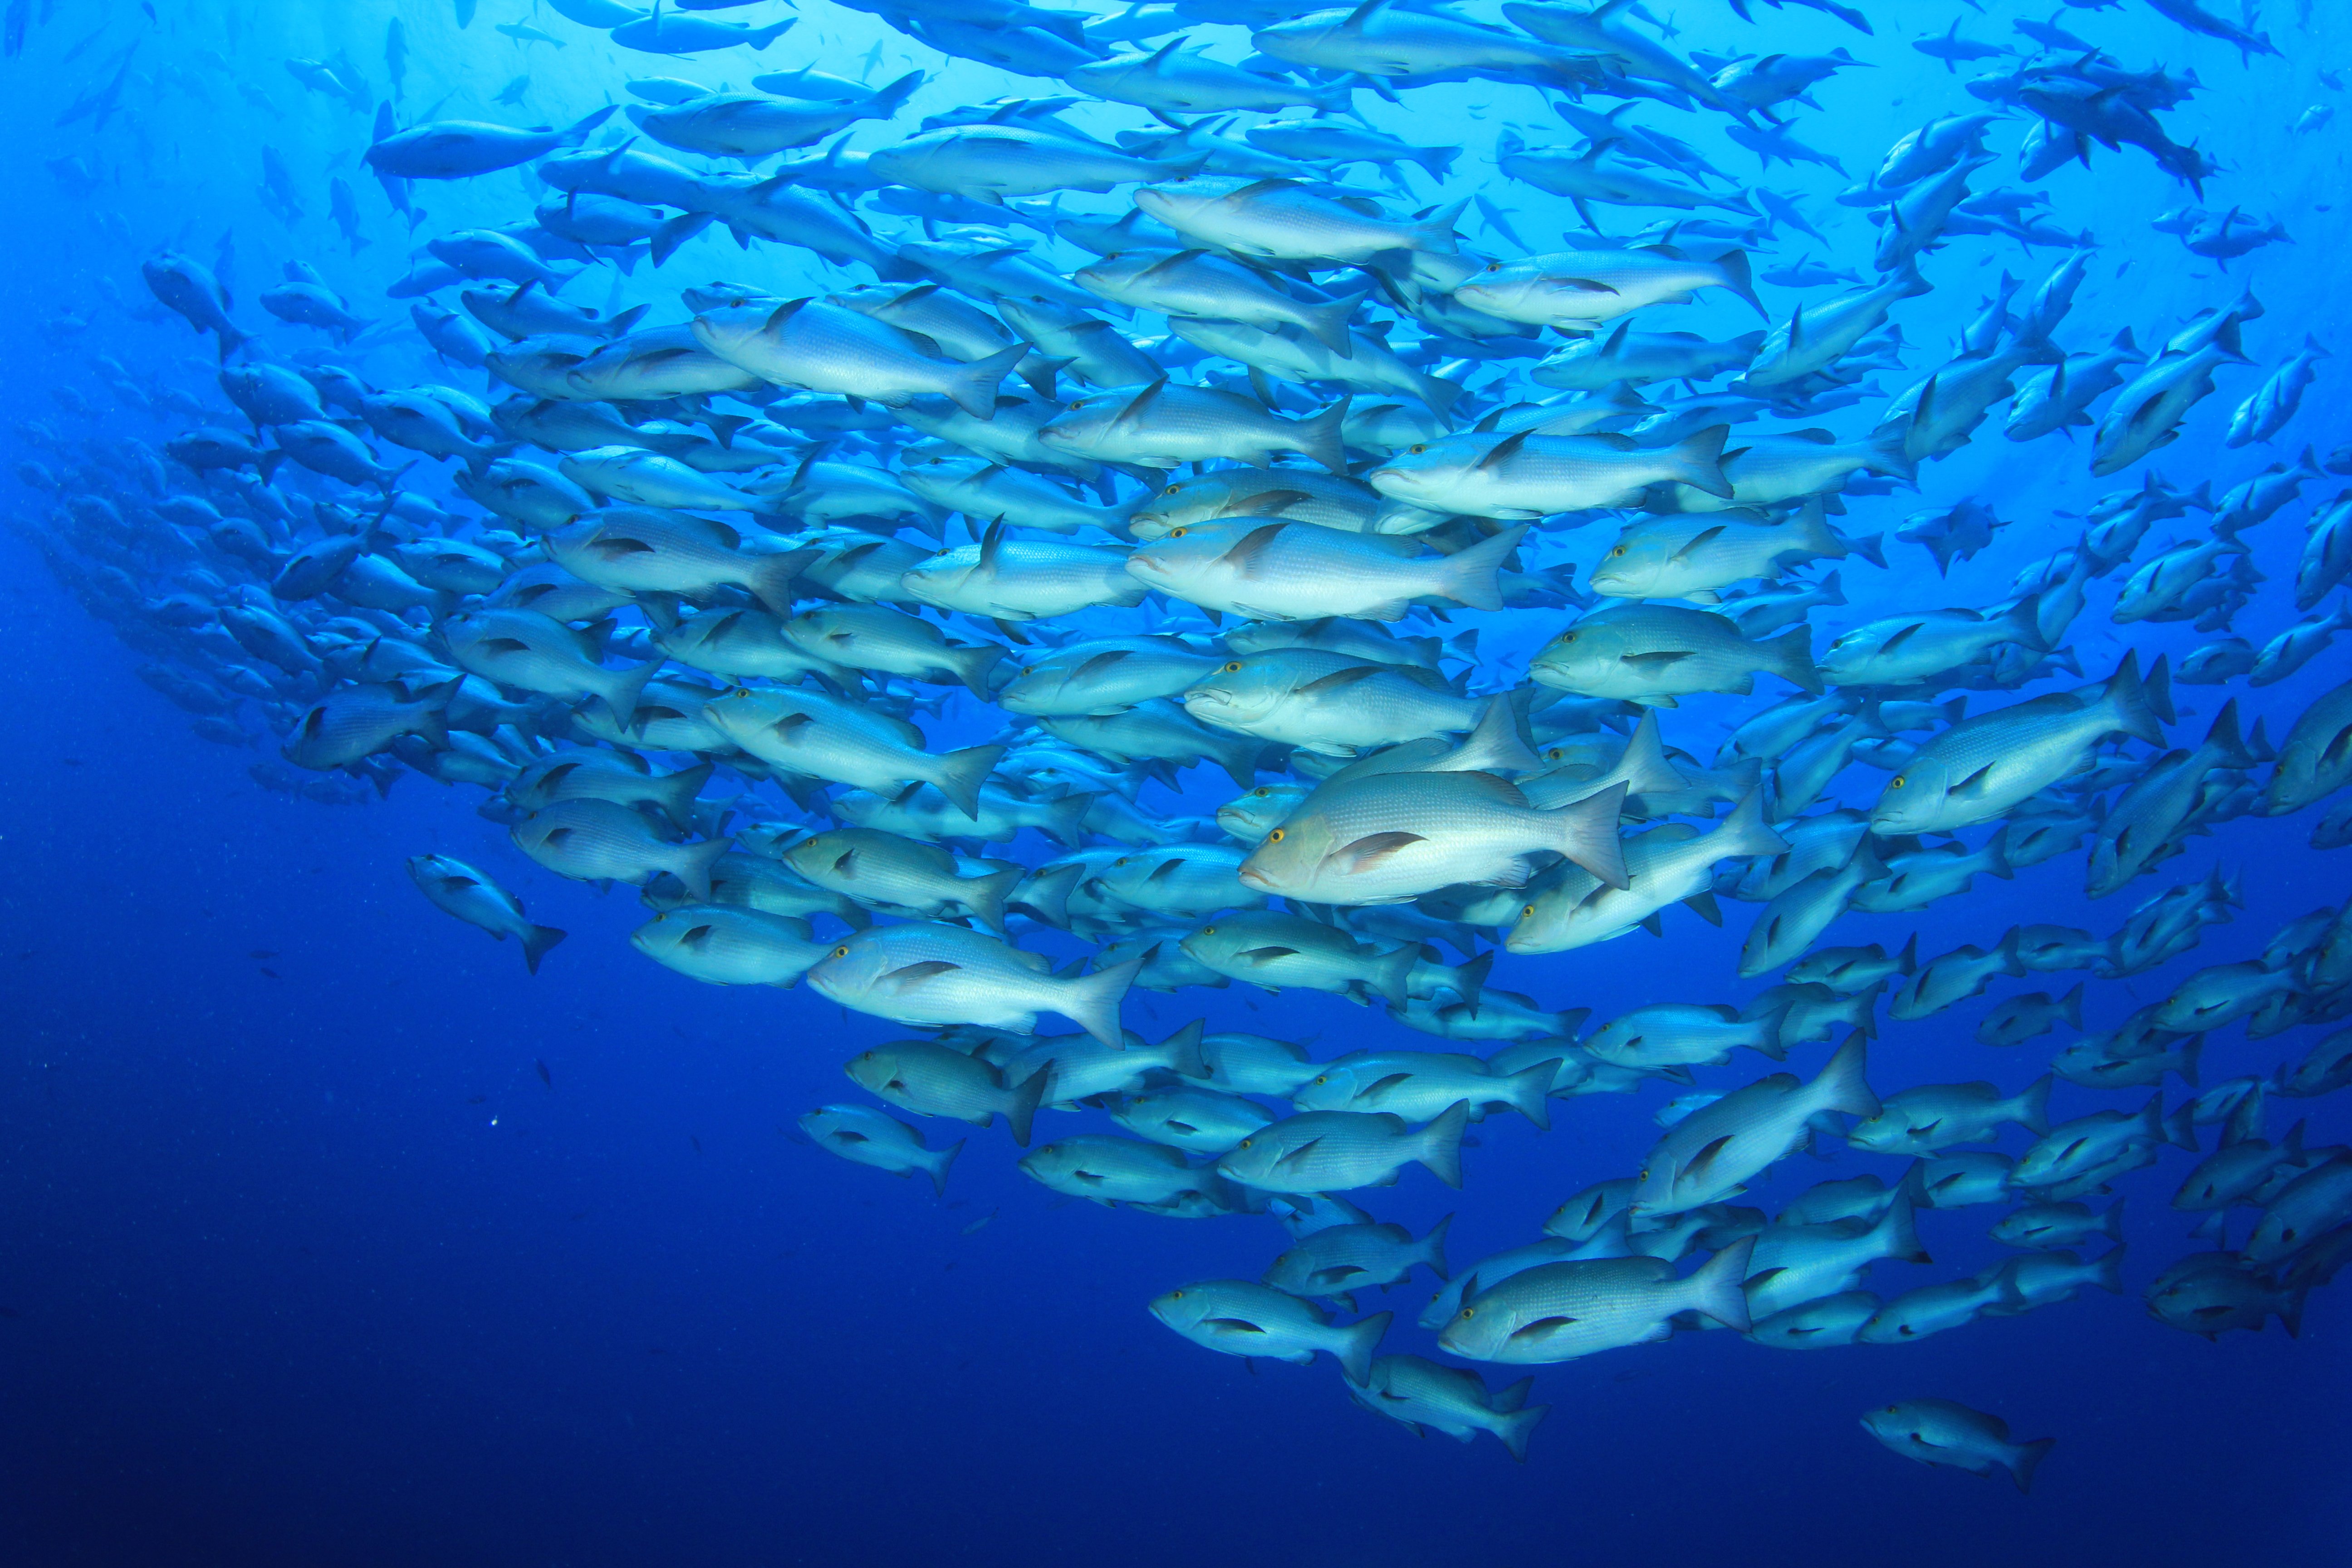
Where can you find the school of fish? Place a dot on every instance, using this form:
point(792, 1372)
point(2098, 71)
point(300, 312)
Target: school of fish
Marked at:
point(1202, 404)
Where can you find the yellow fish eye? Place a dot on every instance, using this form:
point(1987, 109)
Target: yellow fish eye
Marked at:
point(1208, 930)
point(1469, 1312)
point(1246, 1143)
point(1274, 836)
point(1175, 1295)
point(1528, 913)
point(841, 952)
point(1261, 792)
point(1493, 266)
point(1618, 551)
point(1232, 667)
point(1171, 490)
point(1418, 447)
point(1897, 782)
point(1175, 533)
point(1322, 1078)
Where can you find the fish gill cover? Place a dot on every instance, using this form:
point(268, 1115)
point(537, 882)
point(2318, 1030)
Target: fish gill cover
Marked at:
point(1524, 703)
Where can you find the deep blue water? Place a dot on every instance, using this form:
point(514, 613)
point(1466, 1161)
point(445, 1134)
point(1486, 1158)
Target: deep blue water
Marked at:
point(305, 1260)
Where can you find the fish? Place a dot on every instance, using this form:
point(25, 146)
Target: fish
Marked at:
point(864, 1136)
point(1237, 1317)
point(1712, 1154)
point(933, 974)
point(1564, 1310)
point(1985, 765)
point(1941, 1432)
point(1422, 1395)
point(457, 888)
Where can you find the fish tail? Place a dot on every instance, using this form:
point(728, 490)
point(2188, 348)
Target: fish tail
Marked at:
point(1091, 1001)
point(1432, 1249)
point(1436, 232)
point(1441, 1143)
point(973, 664)
point(936, 1167)
point(2026, 1460)
point(1356, 1343)
point(676, 231)
point(577, 132)
point(1792, 659)
point(1748, 831)
point(1512, 1427)
point(959, 775)
point(1238, 756)
point(1698, 461)
point(986, 896)
point(1740, 279)
point(625, 690)
point(695, 863)
point(759, 38)
point(2222, 742)
point(891, 97)
point(1469, 978)
point(1841, 1086)
point(1326, 323)
point(1183, 1048)
point(1069, 826)
point(1529, 1092)
point(772, 578)
point(678, 792)
point(1472, 577)
point(2126, 696)
point(1585, 831)
point(536, 941)
point(1644, 767)
point(1718, 1290)
point(1496, 746)
point(1047, 897)
point(1320, 438)
point(973, 387)
point(2031, 1110)
point(1021, 1102)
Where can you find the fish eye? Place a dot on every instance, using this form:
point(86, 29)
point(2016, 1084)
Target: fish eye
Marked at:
point(1322, 1078)
point(1246, 1143)
point(1171, 490)
point(1232, 667)
point(1274, 836)
point(1081, 403)
point(1468, 1314)
point(841, 952)
point(1618, 551)
point(1175, 1295)
point(1208, 930)
point(1121, 861)
point(1261, 792)
point(1897, 782)
point(1176, 533)
point(1418, 447)
point(1528, 913)
point(1493, 266)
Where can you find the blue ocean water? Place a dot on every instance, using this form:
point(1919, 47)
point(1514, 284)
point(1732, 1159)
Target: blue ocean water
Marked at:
point(331, 1236)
